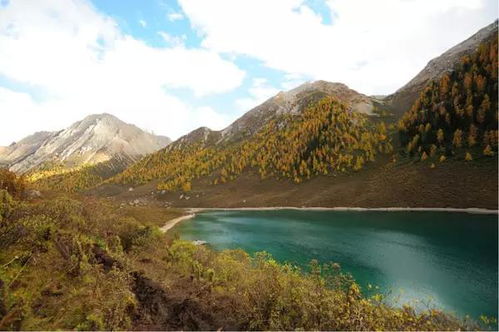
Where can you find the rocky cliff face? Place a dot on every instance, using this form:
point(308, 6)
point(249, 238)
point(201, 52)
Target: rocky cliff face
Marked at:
point(403, 98)
point(96, 138)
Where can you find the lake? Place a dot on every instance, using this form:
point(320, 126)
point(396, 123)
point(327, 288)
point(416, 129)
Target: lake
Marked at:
point(446, 257)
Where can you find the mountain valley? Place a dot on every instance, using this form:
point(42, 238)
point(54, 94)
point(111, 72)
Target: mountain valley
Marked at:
point(321, 208)
point(237, 167)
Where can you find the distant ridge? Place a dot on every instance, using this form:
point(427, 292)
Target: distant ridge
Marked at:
point(285, 102)
point(97, 138)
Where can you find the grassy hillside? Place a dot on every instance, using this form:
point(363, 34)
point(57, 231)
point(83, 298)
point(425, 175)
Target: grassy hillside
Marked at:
point(83, 264)
point(56, 176)
point(452, 184)
point(326, 138)
point(456, 116)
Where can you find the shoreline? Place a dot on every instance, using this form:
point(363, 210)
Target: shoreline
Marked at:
point(172, 222)
point(360, 209)
point(192, 211)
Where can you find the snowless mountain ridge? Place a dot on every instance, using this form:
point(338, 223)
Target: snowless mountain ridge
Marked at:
point(293, 102)
point(102, 137)
point(96, 138)
point(402, 99)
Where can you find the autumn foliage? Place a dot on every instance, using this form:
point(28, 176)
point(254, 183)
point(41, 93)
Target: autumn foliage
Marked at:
point(86, 265)
point(326, 138)
point(456, 114)
point(15, 185)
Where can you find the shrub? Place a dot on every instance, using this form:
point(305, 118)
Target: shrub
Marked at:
point(6, 204)
point(67, 264)
point(12, 183)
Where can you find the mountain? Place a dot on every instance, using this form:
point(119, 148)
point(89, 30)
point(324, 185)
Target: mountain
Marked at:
point(294, 101)
point(456, 115)
point(316, 128)
point(95, 139)
point(16, 152)
point(402, 100)
point(323, 144)
point(285, 102)
point(338, 145)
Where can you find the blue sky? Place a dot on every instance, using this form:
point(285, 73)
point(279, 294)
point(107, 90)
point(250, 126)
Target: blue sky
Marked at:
point(148, 20)
point(170, 66)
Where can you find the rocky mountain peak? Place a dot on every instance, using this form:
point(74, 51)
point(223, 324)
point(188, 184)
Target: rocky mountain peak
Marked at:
point(96, 138)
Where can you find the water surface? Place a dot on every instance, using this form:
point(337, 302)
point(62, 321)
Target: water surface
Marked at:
point(450, 258)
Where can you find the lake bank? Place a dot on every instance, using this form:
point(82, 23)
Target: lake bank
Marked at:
point(192, 211)
point(172, 222)
point(445, 256)
point(408, 209)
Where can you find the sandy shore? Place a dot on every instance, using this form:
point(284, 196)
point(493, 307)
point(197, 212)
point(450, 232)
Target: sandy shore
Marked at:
point(175, 221)
point(467, 210)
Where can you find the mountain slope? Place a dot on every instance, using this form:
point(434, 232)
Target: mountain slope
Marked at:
point(298, 134)
point(95, 139)
point(17, 152)
point(285, 102)
point(306, 134)
point(294, 101)
point(457, 114)
point(403, 98)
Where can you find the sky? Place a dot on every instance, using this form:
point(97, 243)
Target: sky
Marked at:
point(171, 66)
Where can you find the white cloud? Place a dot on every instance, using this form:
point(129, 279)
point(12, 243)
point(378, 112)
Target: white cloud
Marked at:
point(174, 16)
point(208, 117)
point(87, 65)
point(292, 80)
point(373, 46)
point(259, 91)
point(173, 40)
point(143, 23)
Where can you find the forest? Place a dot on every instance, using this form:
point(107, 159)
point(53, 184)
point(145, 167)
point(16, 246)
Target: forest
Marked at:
point(326, 138)
point(456, 116)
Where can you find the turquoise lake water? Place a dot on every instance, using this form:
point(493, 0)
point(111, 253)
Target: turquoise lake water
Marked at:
point(448, 258)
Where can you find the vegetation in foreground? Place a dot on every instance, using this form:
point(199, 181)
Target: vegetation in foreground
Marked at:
point(82, 264)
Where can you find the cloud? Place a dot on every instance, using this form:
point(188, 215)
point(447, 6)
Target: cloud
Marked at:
point(173, 40)
point(175, 16)
point(84, 64)
point(208, 117)
point(23, 115)
point(259, 91)
point(292, 80)
point(373, 46)
point(143, 23)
